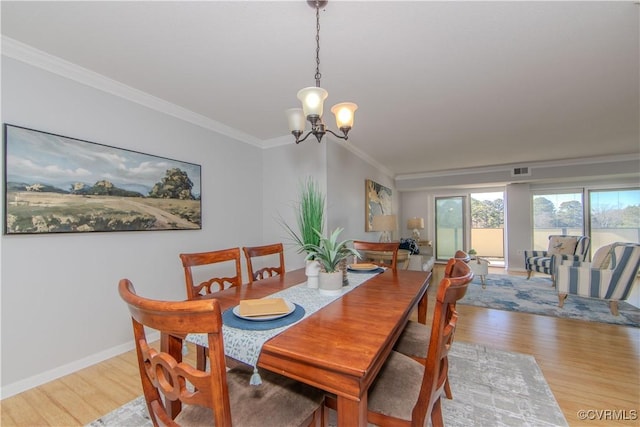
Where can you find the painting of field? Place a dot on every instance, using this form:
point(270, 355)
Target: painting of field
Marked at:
point(56, 184)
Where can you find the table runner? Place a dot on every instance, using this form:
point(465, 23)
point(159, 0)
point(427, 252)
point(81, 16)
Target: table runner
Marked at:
point(245, 345)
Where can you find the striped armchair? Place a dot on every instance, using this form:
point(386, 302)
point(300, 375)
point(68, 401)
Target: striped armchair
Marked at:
point(610, 276)
point(573, 248)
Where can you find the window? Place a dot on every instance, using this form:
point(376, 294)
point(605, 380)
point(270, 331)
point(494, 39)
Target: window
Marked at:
point(556, 213)
point(614, 216)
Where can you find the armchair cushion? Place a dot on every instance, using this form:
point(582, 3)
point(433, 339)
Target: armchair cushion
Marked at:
point(563, 245)
point(602, 257)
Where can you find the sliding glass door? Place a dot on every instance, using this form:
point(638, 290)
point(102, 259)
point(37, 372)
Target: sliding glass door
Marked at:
point(450, 226)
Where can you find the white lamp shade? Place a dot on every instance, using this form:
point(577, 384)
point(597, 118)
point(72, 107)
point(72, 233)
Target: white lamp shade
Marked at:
point(312, 99)
point(415, 223)
point(344, 112)
point(296, 119)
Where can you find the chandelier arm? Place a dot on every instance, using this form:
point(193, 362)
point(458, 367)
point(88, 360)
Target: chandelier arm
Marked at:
point(345, 137)
point(298, 141)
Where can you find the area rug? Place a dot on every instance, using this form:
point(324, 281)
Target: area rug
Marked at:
point(490, 388)
point(537, 296)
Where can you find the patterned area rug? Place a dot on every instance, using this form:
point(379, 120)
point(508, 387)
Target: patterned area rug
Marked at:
point(537, 296)
point(490, 388)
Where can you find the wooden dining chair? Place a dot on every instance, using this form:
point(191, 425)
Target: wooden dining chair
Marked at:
point(414, 341)
point(203, 261)
point(406, 392)
point(207, 259)
point(390, 259)
point(215, 397)
point(252, 252)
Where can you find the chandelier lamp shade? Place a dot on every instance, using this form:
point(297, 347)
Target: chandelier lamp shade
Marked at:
point(312, 99)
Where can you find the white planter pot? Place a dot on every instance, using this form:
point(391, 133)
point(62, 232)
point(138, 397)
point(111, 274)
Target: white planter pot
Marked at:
point(312, 270)
point(330, 283)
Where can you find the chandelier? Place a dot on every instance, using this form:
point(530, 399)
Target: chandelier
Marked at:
point(312, 99)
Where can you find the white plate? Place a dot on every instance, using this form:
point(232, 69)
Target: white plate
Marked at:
point(291, 306)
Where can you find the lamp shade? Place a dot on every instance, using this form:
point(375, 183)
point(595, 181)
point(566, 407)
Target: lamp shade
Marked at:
point(296, 119)
point(312, 99)
point(415, 223)
point(344, 113)
point(384, 223)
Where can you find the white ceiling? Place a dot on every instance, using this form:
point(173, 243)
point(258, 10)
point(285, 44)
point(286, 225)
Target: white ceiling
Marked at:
point(440, 85)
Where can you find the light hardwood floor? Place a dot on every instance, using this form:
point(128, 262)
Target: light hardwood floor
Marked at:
point(589, 366)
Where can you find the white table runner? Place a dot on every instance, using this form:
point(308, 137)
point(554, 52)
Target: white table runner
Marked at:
point(245, 345)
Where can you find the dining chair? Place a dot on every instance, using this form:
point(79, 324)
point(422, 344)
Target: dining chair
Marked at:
point(252, 252)
point(203, 261)
point(367, 253)
point(215, 397)
point(406, 392)
point(414, 340)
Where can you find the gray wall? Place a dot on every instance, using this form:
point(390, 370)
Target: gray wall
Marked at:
point(60, 307)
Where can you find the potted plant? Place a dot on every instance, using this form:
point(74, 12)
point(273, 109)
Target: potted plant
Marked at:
point(329, 253)
point(309, 215)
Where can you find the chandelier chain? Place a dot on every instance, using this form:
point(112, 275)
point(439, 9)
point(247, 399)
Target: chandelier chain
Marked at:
point(318, 75)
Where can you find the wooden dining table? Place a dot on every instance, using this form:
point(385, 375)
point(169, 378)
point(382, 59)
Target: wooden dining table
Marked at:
point(341, 347)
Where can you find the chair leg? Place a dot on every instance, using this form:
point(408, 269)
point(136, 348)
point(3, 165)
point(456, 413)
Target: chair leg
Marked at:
point(529, 274)
point(447, 389)
point(613, 306)
point(561, 298)
point(436, 414)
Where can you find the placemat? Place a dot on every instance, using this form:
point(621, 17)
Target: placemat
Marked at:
point(233, 321)
point(377, 270)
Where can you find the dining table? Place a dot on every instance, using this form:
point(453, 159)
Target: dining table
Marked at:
point(341, 347)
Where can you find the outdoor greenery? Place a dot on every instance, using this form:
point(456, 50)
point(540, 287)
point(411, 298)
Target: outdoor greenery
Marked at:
point(487, 213)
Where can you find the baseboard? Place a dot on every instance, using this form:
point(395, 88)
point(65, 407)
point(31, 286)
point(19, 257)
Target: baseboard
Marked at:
point(44, 377)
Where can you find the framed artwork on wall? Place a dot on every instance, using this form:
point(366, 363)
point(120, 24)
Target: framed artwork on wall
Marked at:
point(377, 202)
point(58, 184)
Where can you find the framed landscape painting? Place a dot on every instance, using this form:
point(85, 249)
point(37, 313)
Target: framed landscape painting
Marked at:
point(57, 184)
point(377, 202)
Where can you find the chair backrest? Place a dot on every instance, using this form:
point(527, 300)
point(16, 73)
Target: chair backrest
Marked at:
point(164, 377)
point(563, 244)
point(213, 284)
point(390, 259)
point(625, 261)
point(263, 251)
point(445, 318)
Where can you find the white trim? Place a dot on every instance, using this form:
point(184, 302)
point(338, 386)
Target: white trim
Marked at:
point(50, 375)
point(502, 168)
point(37, 58)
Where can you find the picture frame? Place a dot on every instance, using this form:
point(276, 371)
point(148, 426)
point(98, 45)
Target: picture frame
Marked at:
point(378, 201)
point(59, 184)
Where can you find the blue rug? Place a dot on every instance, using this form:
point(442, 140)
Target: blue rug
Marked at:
point(537, 296)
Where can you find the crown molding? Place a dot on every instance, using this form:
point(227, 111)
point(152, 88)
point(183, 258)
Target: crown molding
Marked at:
point(532, 165)
point(22, 52)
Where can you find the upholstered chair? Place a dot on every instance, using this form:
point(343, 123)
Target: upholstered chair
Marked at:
point(573, 248)
point(610, 276)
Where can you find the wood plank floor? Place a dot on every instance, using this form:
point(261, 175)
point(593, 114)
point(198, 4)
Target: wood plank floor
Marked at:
point(589, 366)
